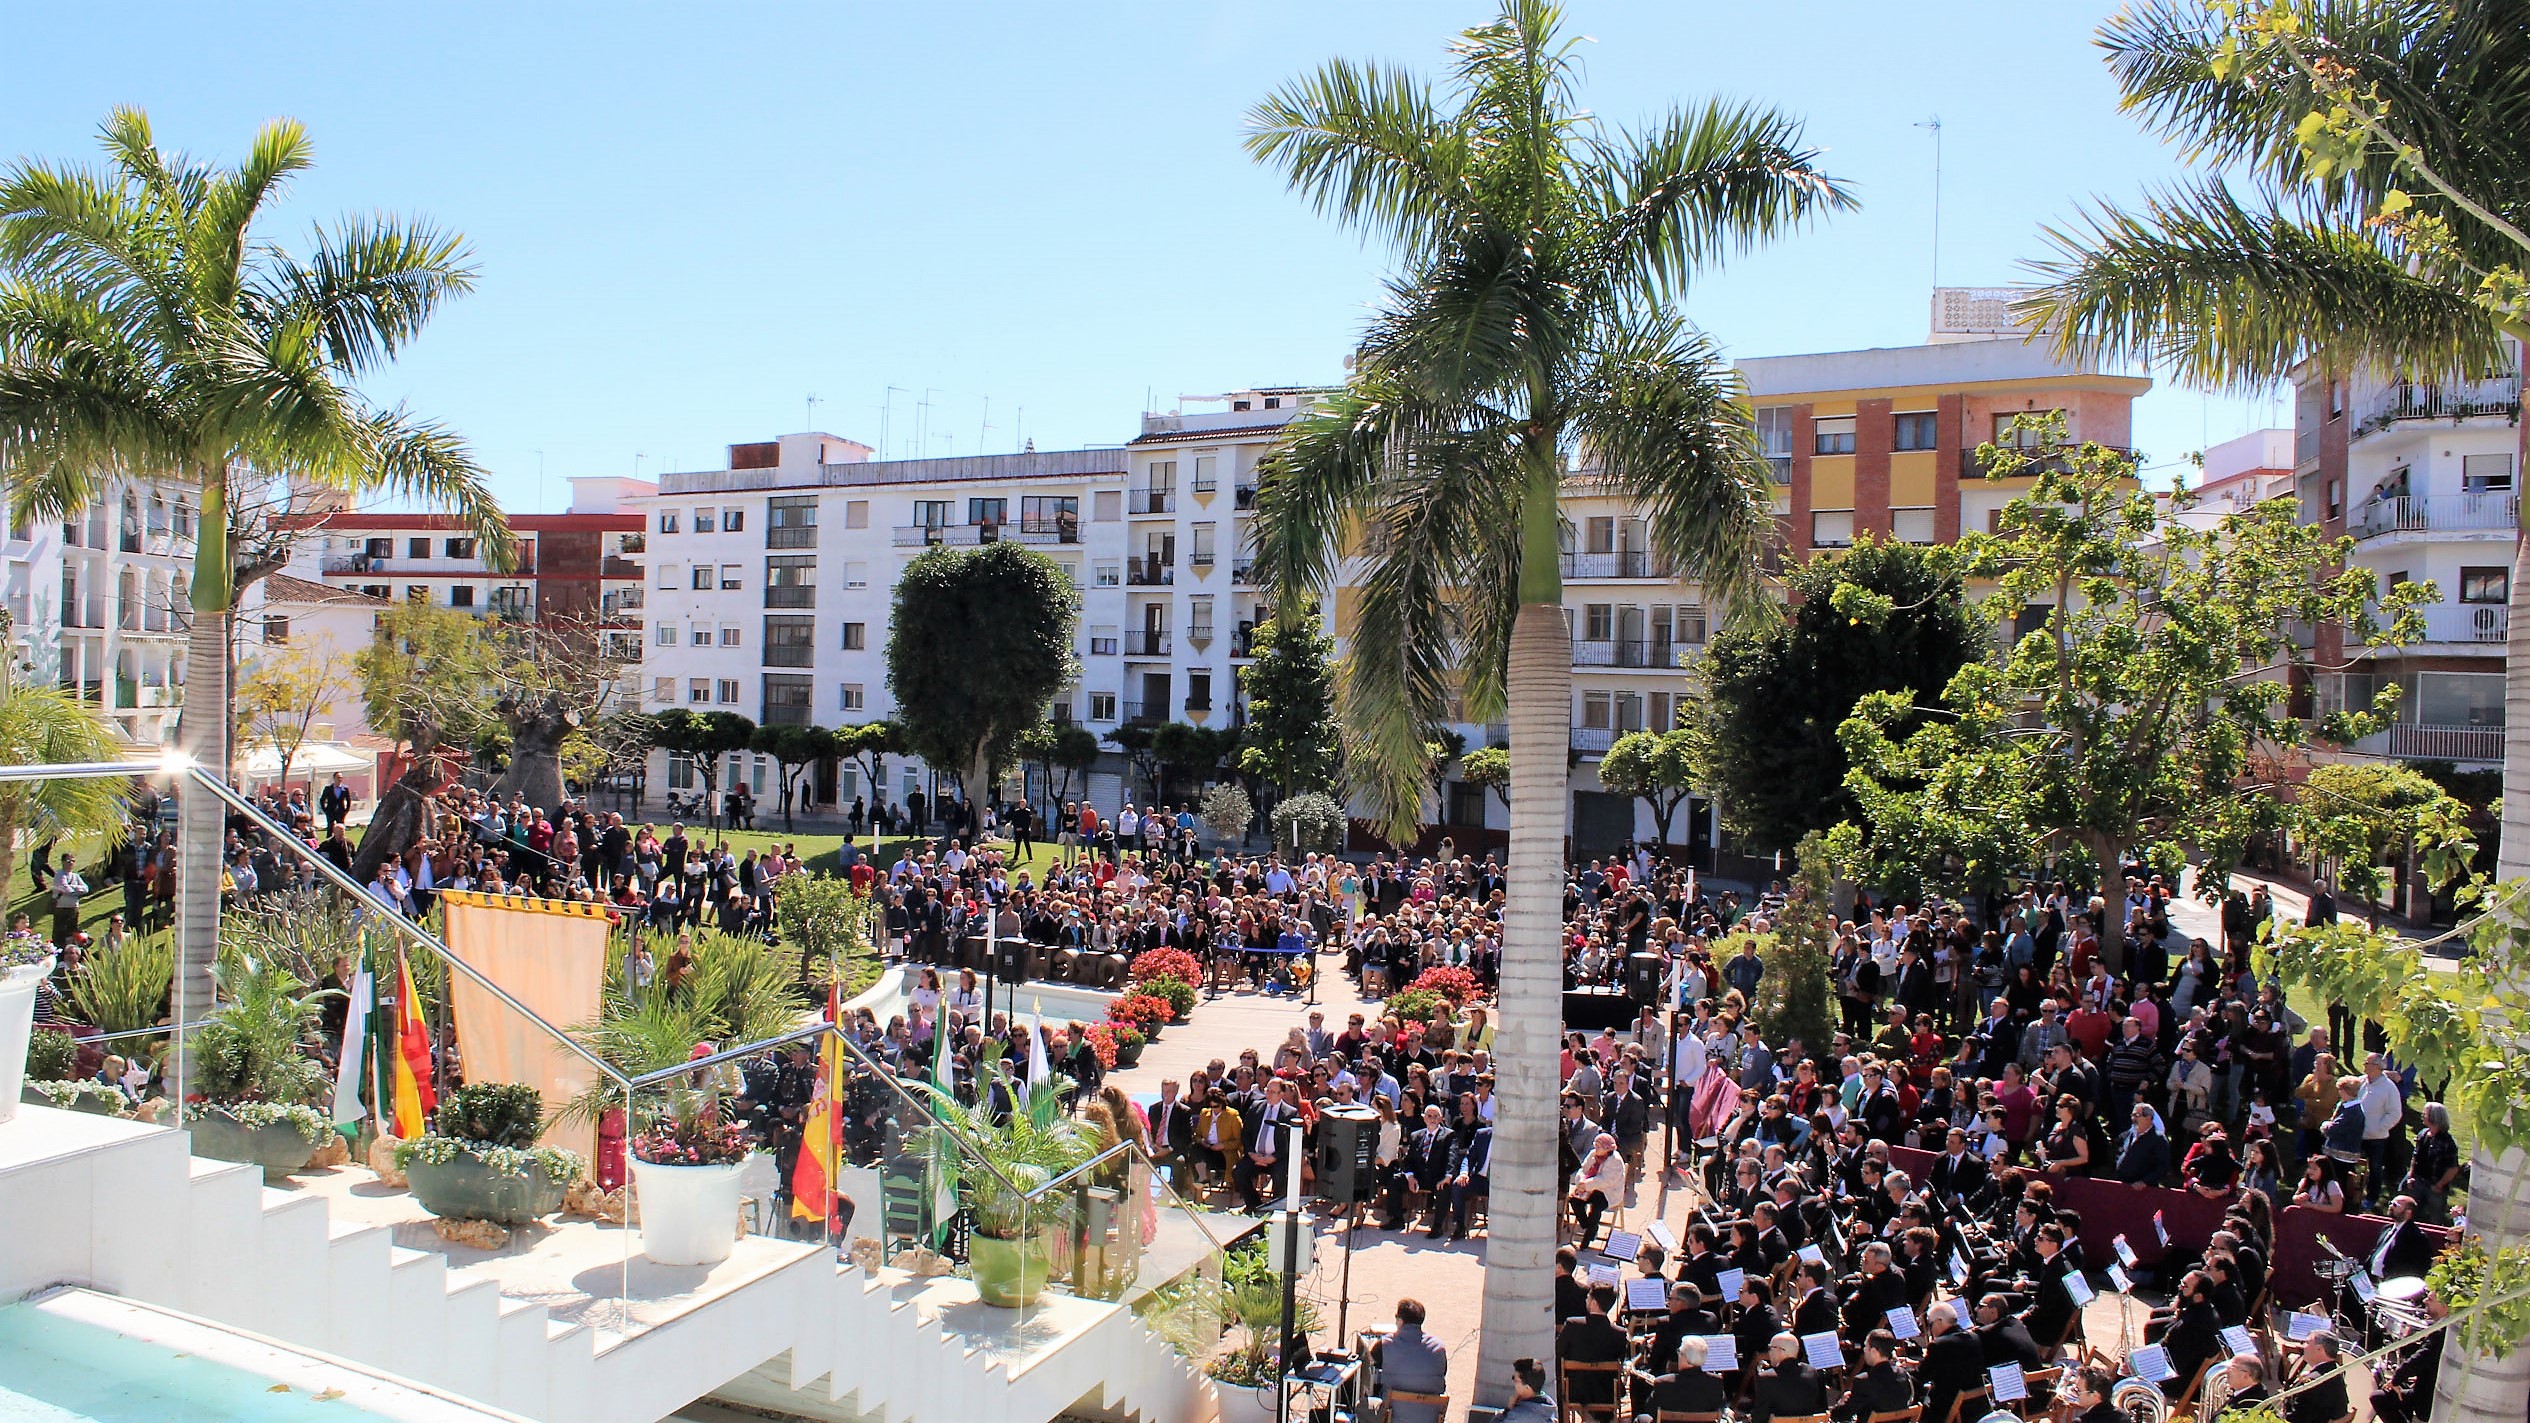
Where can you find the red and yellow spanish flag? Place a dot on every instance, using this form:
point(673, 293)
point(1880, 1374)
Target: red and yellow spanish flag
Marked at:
point(413, 1097)
point(821, 1136)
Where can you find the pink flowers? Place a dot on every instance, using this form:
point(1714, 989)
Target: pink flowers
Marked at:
point(704, 1140)
point(1166, 963)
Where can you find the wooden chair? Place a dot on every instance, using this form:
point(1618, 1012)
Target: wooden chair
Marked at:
point(1439, 1402)
point(1671, 1415)
point(1613, 1409)
point(2042, 1392)
point(2186, 1406)
point(1959, 1405)
point(1914, 1414)
point(1801, 1418)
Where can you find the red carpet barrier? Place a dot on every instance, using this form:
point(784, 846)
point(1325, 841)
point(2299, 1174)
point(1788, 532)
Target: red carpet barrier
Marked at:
point(2111, 1208)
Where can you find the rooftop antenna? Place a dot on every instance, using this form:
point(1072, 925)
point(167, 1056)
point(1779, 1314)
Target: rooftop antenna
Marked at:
point(1018, 427)
point(812, 410)
point(986, 425)
point(638, 457)
point(922, 423)
point(1934, 124)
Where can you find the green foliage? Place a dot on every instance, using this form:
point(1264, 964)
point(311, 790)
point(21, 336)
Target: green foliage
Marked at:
point(2366, 814)
point(1416, 1005)
point(123, 990)
point(255, 1047)
point(829, 925)
point(2488, 1291)
point(430, 678)
point(794, 748)
point(740, 990)
point(507, 1114)
point(1490, 767)
point(1796, 997)
point(1291, 739)
point(1779, 688)
point(556, 1163)
point(1067, 747)
point(979, 642)
point(1000, 1164)
point(1227, 812)
point(1251, 1295)
point(50, 1056)
point(69, 1096)
point(2134, 713)
point(1180, 994)
point(308, 1122)
point(704, 736)
point(1193, 750)
point(1322, 822)
point(1659, 768)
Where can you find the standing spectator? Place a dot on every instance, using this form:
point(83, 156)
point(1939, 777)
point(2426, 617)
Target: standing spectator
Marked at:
point(334, 803)
point(67, 890)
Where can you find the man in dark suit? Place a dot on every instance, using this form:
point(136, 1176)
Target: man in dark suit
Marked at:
point(2324, 1401)
point(2195, 1334)
point(1754, 1330)
point(1816, 1312)
point(1703, 1265)
point(1414, 1362)
point(2054, 1313)
point(1878, 1387)
point(1592, 1339)
point(2404, 1248)
point(1687, 1316)
point(1470, 1177)
point(1879, 1290)
point(1958, 1173)
point(1688, 1389)
point(1425, 1162)
point(2000, 1334)
point(1790, 1388)
point(1572, 1297)
point(1953, 1363)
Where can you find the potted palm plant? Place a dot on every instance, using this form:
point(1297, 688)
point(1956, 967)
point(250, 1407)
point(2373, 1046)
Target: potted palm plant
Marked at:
point(23, 965)
point(1000, 1164)
point(686, 1160)
point(480, 1160)
point(254, 1080)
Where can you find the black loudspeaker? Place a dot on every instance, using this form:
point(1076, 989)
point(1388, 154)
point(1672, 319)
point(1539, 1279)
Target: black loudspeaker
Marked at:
point(1642, 978)
point(1010, 963)
point(1348, 1142)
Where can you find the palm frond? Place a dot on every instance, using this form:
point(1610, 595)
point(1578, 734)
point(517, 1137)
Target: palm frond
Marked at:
point(1319, 478)
point(223, 220)
point(1365, 145)
point(1707, 184)
point(430, 462)
point(368, 288)
point(2229, 296)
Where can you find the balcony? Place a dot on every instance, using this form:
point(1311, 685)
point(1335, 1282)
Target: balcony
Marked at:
point(1593, 738)
point(1048, 531)
point(791, 536)
point(1623, 563)
point(1151, 501)
point(1136, 714)
point(1059, 713)
point(514, 604)
point(1149, 573)
point(2435, 514)
point(352, 563)
point(955, 535)
point(2480, 623)
point(1658, 655)
point(1147, 644)
point(2425, 742)
point(619, 568)
point(1242, 572)
point(2439, 400)
point(791, 595)
point(620, 602)
point(2306, 449)
point(1244, 495)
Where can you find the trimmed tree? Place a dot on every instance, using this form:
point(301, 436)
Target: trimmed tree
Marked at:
point(1796, 999)
point(794, 748)
point(428, 680)
point(1067, 747)
point(1490, 767)
point(979, 642)
point(703, 738)
point(1227, 812)
point(1289, 740)
point(1322, 822)
point(1658, 768)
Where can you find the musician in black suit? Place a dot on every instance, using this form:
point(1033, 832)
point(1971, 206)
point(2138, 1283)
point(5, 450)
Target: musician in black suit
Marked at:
point(1687, 1315)
point(2001, 1335)
point(2091, 1389)
point(2052, 1316)
point(1702, 1266)
point(1878, 1387)
point(2324, 1401)
point(2405, 1393)
point(1953, 1362)
point(1688, 1388)
point(1754, 1330)
point(1592, 1339)
point(1870, 1295)
point(1790, 1388)
point(2195, 1335)
point(2404, 1248)
point(1816, 1311)
point(1958, 1174)
point(1572, 1297)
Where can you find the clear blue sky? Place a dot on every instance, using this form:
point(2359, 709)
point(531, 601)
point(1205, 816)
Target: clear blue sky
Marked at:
point(690, 218)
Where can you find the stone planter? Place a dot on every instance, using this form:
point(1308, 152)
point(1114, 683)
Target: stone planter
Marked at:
point(17, 1023)
point(466, 1189)
point(1130, 1054)
point(1010, 1273)
point(278, 1149)
point(688, 1214)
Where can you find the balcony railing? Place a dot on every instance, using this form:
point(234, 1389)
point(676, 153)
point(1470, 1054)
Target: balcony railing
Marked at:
point(957, 535)
point(1147, 644)
point(1623, 563)
point(2439, 400)
point(1136, 714)
point(1242, 572)
point(794, 595)
point(2305, 447)
point(622, 568)
point(2467, 622)
point(352, 563)
point(1048, 531)
point(2434, 514)
point(2439, 743)
point(1626, 652)
point(1149, 573)
point(1593, 738)
point(1151, 501)
point(790, 536)
point(1245, 496)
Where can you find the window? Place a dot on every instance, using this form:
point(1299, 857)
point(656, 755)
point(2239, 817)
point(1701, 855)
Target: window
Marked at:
point(1594, 710)
point(1832, 528)
point(2336, 399)
point(1832, 435)
point(1163, 475)
point(1102, 642)
point(1598, 622)
point(2486, 474)
point(417, 548)
point(1916, 430)
point(1466, 803)
point(856, 513)
point(1200, 550)
point(664, 634)
point(792, 522)
point(733, 520)
point(790, 642)
point(663, 689)
point(2026, 429)
point(378, 548)
point(729, 691)
point(667, 521)
point(730, 634)
point(732, 577)
point(786, 699)
point(2336, 498)
point(855, 697)
point(1102, 706)
point(1691, 624)
point(2033, 618)
point(1107, 506)
point(699, 635)
point(988, 512)
point(702, 575)
point(376, 590)
point(1601, 535)
point(416, 593)
point(856, 574)
point(461, 596)
point(2486, 585)
point(1911, 526)
point(1056, 514)
point(855, 636)
point(790, 580)
point(623, 647)
point(1198, 690)
point(276, 631)
point(667, 575)
point(931, 513)
point(1774, 439)
point(1629, 711)
point(1106, 575)
point(1662, 713)
point(1207, 473)
point(698, 691)
point(702, 521)
point(460, 548)
point(1199, 618)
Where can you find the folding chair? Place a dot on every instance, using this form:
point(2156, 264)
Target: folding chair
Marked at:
point(1388, 1400)
point(1959, 1405)
point(1613, 1409)
point(2041, 1401)
point(2186, 1406)
point(1671, 1415)
point(1913, 1414)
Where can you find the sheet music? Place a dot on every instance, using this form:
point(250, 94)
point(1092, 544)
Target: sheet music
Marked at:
point(1958, 1267)
point(2161, 1227)
point(2126, 1253)
point(1603, 1274)
point(2299, 1326)
point(1902, 1322)
point(2006, 1383)
point(2236, 1339)
point(1730, 1281)
point(1813, 1254)
point(1622, 1245)
point(1663, 1236)
point(1721, 1353)
point(1647, 1292)
point(2362, 1286)
point(2152, 1364)
point(2078, 1287)
point(2117, 1277)
point(1822, 1350)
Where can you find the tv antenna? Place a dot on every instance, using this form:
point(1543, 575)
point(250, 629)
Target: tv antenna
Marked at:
point(1934, 124)
point(812, 410)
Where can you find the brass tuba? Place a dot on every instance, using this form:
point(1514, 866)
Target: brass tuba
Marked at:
point(2211, 1395)
point(2139, 1401)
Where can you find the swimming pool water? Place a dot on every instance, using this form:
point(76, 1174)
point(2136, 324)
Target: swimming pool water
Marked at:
point(55, 1370)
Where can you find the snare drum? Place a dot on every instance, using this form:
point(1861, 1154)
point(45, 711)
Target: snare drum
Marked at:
point(2406, 1289)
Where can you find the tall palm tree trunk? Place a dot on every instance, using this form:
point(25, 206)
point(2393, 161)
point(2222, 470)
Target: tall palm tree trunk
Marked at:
point(202, 734)
point(2475, 1386)
point(1520, 1231)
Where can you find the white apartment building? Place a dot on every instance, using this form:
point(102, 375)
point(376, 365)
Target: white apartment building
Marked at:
point(100, 605)
point(2422, 475)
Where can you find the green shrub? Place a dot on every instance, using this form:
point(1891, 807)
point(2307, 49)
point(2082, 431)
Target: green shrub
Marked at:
point(51, 1055)
point(507, 1114)
point(1416, 1005)
point(124, 990)
point(1180, 994)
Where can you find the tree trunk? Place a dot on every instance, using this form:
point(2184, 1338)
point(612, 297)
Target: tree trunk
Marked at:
point(1520, 1245)
point(202, 733)
point(2477, 1387)
point(402, 814)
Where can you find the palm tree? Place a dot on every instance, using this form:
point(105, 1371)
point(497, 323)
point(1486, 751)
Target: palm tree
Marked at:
point(147, 327)
point(1529, 328)
point(2364, 255)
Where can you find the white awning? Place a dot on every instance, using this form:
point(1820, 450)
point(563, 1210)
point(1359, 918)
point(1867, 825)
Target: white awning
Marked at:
point(319, 759)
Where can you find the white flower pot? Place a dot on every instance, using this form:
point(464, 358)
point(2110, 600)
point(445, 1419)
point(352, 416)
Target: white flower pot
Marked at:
point(688, 1214)
point(17, 1024)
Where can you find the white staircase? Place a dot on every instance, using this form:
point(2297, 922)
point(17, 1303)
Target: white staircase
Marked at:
point(124, 1209)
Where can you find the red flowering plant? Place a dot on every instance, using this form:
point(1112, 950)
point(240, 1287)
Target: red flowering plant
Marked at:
point(1103, 1040)
point(1455, 984)
point(1144, 1010)
point(1166, 963)
point(691, 1131)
